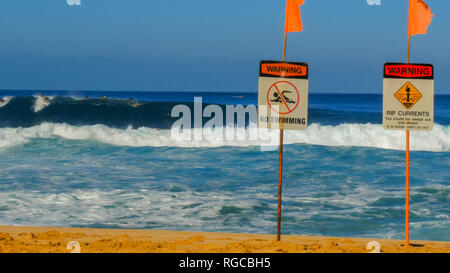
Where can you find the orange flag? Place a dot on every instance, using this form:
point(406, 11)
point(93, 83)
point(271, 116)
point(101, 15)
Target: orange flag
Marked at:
point(293, 21)
point(419, 17)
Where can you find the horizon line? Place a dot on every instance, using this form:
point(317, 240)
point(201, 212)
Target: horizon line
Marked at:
point(199, 91)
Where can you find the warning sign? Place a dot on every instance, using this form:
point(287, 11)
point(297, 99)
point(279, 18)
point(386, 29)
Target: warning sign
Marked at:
point(283, 95)
point(408, 97)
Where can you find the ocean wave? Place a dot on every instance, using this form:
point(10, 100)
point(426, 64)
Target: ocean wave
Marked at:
point(41, 102)
point(33, 110)
point(5, 100)
point(347, 135)
point(30, 111)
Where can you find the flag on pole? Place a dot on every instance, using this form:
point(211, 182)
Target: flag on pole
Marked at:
point(419, 17)
point(293, 21)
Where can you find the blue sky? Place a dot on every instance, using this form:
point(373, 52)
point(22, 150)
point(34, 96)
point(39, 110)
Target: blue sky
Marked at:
point(208, 45)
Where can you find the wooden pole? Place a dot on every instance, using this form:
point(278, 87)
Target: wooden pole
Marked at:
point(280, 163)
point(407, 166)
point(280, 183)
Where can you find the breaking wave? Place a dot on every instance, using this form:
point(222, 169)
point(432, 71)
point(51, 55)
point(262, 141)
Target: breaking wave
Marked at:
point(348, 135)
point(5, 100)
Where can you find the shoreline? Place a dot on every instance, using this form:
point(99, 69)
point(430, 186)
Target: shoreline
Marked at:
point(25, 239)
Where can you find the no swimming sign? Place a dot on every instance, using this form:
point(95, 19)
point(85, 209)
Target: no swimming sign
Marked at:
point(283, 95)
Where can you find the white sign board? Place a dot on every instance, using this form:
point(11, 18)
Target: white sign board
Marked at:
point(283, 95)
point(408, 97)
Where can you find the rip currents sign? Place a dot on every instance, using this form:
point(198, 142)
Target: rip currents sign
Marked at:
point(283, 95)
point(408, 97)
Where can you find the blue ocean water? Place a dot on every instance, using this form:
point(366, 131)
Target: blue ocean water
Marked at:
point(92, 162)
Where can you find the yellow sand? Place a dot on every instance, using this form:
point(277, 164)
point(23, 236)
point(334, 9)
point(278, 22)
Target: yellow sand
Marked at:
point(46, 239)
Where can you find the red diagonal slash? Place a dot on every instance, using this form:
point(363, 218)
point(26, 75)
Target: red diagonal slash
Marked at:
point(282, 97)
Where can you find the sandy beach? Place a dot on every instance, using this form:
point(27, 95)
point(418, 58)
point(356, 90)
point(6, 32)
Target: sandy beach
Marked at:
point(15, 239)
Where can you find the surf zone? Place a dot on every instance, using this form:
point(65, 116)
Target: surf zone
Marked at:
point(283, 120)
point(408, 71)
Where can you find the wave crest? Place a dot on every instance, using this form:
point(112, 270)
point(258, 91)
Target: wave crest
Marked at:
point(5, 100)
point(348, 135)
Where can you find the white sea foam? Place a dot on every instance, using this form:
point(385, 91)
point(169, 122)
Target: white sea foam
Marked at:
point(371, 135)
point(5, 101)
point(143, 209)
point(40, 103)
point(206, 210)
point(360, 135)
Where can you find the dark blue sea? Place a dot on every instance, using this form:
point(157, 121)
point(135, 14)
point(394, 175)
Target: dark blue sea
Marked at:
point(81, 159)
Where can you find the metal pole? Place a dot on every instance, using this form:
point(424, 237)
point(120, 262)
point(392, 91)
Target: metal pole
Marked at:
point(407, 166)
point(409, 50)
point(280, 166)
point(280, 182)
point(407, 191)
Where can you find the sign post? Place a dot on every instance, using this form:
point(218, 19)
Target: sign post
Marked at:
point(283, 88)
point(408, 92)
point(408, 104)
point(283, 93)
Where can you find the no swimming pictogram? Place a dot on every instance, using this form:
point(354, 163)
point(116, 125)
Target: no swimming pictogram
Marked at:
point(284, 95)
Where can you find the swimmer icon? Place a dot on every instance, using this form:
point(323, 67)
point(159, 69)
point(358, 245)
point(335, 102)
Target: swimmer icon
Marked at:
point(277, 97)
point(284, 95)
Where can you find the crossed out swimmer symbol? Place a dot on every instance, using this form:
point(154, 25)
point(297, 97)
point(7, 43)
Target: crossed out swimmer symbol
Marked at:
point(284, 95)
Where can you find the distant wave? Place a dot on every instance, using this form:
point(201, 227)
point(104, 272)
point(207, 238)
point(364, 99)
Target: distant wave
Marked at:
point(121, 113)
point(41, 102)
point(33, 110)
point(118, 113)
point(360, 135)
point(5, 100)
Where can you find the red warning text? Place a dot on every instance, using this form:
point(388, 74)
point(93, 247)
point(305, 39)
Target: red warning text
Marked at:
point(408, 71)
